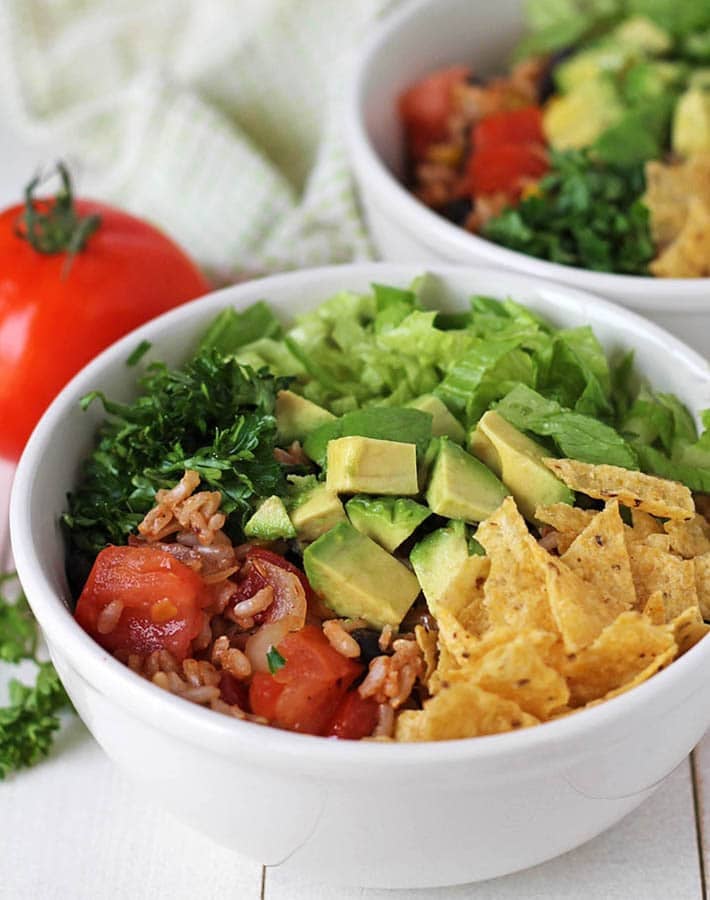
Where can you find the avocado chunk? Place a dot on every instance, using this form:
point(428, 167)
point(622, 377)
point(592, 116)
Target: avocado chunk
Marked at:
point(576, 119)
point(606, 58)
point(361, 465)
point(462, 487)
point(356, 578)
point(387, 520)
point(438, 558)
point(296, 417)
point(691, 123)
point(641, 34)
point(518, 461)
point(443, 422)
point(313, 508)
point(270, 522)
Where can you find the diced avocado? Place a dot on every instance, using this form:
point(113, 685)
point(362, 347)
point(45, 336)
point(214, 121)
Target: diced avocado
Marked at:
point(270, 522)
point(517, 460)
point(577, 119)
point(642, 34)
point(356, 578)
point(313, 508)
point(608, 57)
point(408, 426)
point(438, 558)
point(387, 520)
point(361, 465)
point(649, 80)
point(461, 486)
point(443, 422)
point(296, 417)
point(691, 123)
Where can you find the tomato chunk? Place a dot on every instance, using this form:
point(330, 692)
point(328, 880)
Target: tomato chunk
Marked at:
point(515, 126)
point(425, 107)
point(306, 692)
point(503, 168)
point(159, 598)
point(355, 718)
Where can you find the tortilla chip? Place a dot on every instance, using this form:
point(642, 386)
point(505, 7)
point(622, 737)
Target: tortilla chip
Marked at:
point(461, 710)
point(656, 665)
point(701, 565)
point(654, 570)
point(445, 666)
point(688, 256)
point(465, 648)
point(514, 591)
point(655, 609)
point(599, 557)
point(427, 643)
point(668, 499)
point(669, 190)
point(690, 538)
point(565, 518)
point(688, 629)
point(576, 606)
point(516, 670)
point(627, 647)
point(642, 524)
point(660, 542)
point(464, 594)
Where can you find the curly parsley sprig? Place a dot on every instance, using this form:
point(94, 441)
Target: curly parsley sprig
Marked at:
point(29, 722)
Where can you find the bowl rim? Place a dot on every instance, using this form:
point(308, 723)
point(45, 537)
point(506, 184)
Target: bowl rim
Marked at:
point(202, 727)
point(693, 294)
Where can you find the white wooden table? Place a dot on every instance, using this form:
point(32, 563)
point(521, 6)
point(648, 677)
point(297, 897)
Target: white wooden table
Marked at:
point(74, 828)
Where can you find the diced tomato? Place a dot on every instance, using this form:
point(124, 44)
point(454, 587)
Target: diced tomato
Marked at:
point(355, 718)
point(266, 569)
point(162, 601)
point(306, 692)
point(516, 126)
point(425, 107)
point(502, 168)
point(270, 556)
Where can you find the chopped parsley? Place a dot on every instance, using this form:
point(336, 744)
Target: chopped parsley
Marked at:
point(586, 213)
point(275, 660)
point(28, 723)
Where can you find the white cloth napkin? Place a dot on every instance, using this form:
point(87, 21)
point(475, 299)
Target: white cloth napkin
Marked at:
point(219, 120)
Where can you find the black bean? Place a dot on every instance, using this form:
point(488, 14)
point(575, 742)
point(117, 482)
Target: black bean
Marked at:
point(458, 210)
point(368, 640)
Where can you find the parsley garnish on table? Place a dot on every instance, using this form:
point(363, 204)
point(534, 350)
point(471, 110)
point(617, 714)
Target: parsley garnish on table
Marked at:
point(28, 723)
point(584, 213)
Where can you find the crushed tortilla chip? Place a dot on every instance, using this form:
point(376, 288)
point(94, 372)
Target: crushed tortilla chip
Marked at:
point(576, 606)
point(688, 629)
point(643, 524)
point(464, 594)
point(656, 665)
point(565, 518)
point(599, 556)
point(515, 588)
point(427, 643)
point(660, 542)
point(654, 570)
point(668, 499)
point(688, 256)
point(701, 565)
point(461, 710)
point(517, 671)
point(655, 609)
point(627, 647)
point(670, 187)
point(690, 538)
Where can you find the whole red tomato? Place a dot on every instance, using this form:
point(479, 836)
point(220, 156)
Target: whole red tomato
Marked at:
point(74, 277)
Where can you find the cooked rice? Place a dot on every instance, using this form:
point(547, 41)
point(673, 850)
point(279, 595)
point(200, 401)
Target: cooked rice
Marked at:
point(108, 617)
point(340, 640)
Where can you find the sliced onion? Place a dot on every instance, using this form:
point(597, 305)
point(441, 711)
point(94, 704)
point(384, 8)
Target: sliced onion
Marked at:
point(289, 595)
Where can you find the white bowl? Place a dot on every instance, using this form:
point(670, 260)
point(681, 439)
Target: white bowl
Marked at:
point(388, 815)
point(429, 34)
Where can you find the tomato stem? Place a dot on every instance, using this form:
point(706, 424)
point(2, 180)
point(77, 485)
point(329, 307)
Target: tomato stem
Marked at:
point(54, 226)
